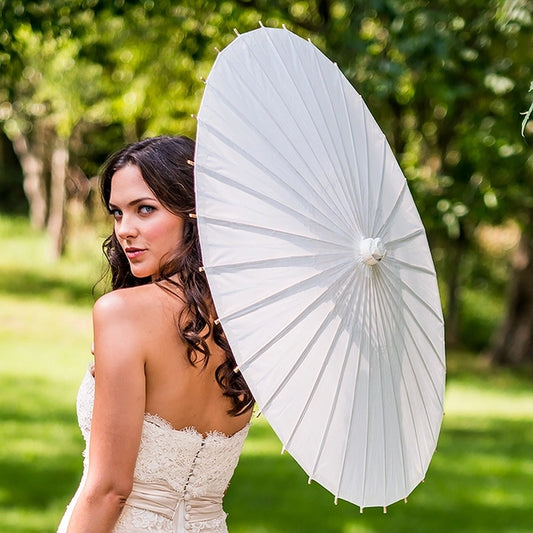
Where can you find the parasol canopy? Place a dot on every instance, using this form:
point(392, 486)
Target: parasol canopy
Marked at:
point(319, 267)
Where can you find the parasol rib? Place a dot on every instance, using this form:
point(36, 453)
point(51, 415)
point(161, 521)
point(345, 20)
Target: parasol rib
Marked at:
point(325, 322)
point(247, 155)
point(366, 145)
point(382, 388)
point(285, 261)
point(276, 296)
point(408, 391)
point(392, 212)
point(393, 288)
point(350, 183)
point(269, 200)
point(368, 420)
point(352, 402)
point(387, 332)
point(288, 110)
point(252, 228)
point(393, 292)
point(305, 312)
point(411, 291)
point(358, 192)
point(335, 339)
point(339, 386)
point(392, 244)
point(303, 100)
point(378, 211)
point(343, 171)
point(410, 266)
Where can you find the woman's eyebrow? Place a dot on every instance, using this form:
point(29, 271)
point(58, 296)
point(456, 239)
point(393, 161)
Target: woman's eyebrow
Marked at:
point(133, 202)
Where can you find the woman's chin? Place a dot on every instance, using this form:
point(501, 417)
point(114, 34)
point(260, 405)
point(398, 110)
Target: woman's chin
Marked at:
point(142, 273)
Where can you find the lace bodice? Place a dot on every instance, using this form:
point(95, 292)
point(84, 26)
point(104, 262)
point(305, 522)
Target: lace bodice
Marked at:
point(180, 476)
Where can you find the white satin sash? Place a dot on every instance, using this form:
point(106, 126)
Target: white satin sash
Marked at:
point(160, 498)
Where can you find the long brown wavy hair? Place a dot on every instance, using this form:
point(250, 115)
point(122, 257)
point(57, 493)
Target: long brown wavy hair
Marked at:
point(166, 165)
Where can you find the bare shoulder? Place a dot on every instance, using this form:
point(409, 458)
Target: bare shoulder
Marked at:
point(136, 305)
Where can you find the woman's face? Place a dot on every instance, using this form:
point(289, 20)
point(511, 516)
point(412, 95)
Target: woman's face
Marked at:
point(147, 231)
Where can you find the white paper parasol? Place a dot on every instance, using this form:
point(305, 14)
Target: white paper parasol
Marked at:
point(319, 267)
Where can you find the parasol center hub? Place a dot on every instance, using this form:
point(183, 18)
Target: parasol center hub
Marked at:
point(372, 251)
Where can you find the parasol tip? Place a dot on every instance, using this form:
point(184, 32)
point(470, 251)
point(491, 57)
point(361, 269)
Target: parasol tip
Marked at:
point(217, 322)
point(261, 24)
point(194, 116)
point(201, 269)
point(203, 79)
point(361, 509)
point(384, 510)
point(217, 49)
point(236, 369)
point(192, 215)
point(236, 32)
point(258, 413)
point(283, 450)
point(191, 163)
point(283, 26)
point(405, 500)
point(309, 481)
point(336, 500)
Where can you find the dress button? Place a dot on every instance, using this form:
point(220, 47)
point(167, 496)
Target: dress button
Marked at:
point(187, 496)
point(188, 507)
point(187, 526)
point(187, 516)
point(192, 477)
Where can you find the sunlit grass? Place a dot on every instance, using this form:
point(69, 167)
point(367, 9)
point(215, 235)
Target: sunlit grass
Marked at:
point(480, 479)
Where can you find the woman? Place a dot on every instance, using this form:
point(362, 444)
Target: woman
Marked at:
point(170, 415)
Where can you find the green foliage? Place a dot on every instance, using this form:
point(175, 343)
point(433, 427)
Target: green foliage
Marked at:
point(527, 114)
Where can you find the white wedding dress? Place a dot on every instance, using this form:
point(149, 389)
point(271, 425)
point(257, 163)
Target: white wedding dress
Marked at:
point(180, 476)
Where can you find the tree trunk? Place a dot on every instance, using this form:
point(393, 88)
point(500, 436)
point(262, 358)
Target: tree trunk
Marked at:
point(56, 218)
point(455, 264)
point(513, 344)
point(34, 187)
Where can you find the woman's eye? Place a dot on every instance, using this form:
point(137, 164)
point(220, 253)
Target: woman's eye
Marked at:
point(146, 209)
point(115, 213)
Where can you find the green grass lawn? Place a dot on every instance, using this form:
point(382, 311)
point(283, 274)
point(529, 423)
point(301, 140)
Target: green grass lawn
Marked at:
point(480, 480)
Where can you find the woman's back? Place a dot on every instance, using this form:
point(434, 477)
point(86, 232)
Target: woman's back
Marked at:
point(183, 394)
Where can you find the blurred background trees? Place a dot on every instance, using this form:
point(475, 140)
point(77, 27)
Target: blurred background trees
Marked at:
point(446, 79)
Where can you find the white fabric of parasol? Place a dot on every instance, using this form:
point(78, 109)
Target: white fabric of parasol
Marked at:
point(319, 267)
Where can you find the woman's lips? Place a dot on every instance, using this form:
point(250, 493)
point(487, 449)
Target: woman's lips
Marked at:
point(134, 253)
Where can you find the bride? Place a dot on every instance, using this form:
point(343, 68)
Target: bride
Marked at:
point(163, 413)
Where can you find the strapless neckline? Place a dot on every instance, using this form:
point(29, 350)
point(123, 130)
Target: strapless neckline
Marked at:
point(191, 430)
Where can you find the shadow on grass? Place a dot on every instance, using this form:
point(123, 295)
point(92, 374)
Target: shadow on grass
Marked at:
point(480, 481)
point(32, 283)
point(40, 460)
point(32, 400)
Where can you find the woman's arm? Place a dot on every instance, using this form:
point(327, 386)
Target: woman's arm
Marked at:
point(118, 413)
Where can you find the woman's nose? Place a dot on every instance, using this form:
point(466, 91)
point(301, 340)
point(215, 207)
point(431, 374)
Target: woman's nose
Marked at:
point(126, 228)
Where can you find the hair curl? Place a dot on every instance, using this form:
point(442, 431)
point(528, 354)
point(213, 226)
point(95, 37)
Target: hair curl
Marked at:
point(166, 166)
